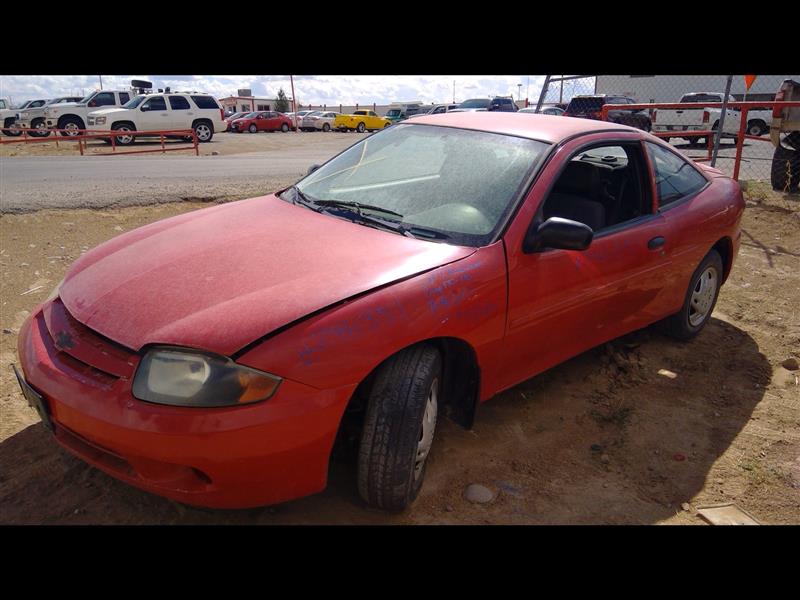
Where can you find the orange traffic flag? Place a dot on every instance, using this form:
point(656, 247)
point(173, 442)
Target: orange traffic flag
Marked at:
point(748, 80)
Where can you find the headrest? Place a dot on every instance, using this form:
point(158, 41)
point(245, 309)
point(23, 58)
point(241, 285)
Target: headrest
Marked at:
point(581, 178)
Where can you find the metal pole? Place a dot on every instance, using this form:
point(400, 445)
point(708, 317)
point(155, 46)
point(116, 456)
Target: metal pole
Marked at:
point(101, 81)
point(454, 91)
point(545, 85)
point(721, 120)
point(294, 105)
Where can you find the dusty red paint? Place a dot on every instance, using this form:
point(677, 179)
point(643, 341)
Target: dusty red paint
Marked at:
point(321, 302)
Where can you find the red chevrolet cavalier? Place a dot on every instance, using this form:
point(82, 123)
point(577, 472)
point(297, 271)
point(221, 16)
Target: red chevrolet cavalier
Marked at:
point(215, 357)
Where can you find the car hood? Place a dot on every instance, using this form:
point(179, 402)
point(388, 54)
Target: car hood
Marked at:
point(220, 278)
point(107, 111)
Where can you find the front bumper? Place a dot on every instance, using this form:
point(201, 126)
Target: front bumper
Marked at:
point(239, 457)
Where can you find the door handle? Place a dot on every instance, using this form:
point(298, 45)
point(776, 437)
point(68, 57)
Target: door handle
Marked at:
point(655, 243)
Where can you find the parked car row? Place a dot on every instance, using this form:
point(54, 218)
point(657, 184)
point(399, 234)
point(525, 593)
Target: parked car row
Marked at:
point(118, 110)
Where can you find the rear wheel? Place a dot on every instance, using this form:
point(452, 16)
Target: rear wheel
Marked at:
point(203, 131)
point(326, 127)
point(701, 298)
point(10, 129)
point(387, 125)
point(756, 127)
point(284, 127)
point(39, 128)
point(785, 171)
point(399, 427)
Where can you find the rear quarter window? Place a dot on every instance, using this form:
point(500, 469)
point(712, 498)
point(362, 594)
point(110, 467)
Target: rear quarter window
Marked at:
point(676, 177)
point(205, 102)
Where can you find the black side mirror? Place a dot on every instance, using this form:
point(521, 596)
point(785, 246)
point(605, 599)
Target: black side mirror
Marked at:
point(559, 233)
point(312, 168)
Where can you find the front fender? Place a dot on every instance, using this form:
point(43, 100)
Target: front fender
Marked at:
point(465, 299)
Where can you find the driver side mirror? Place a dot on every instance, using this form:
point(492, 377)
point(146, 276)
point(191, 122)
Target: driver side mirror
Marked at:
point(312, 168)
point(559, 233)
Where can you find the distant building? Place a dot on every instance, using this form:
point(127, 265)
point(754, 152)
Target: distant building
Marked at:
point(670, 88)
point(248, 103)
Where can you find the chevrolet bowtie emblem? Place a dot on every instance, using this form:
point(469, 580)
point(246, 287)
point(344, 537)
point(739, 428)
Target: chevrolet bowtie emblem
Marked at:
point(64, 340)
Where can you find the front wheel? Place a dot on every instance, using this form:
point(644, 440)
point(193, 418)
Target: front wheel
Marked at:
point(360, 128)
point(124, 140)
point(701, 298)
point(10, 128)
point(398, 427)
point(326, 127)
point(252, 128)
point(387, 125)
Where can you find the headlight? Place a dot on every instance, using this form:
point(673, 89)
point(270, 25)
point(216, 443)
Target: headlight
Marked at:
point(182, 377)
point(100, 120)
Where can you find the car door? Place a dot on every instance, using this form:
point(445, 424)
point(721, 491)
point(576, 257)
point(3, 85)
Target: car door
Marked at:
point(180, 112)
point(271, 121)
point(154, 114)
point(563, 302)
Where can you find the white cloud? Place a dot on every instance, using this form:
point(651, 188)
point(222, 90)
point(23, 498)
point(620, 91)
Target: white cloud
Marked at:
point(310, 89)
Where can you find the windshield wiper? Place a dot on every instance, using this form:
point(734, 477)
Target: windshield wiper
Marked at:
point(358, 206)
point(301, 198)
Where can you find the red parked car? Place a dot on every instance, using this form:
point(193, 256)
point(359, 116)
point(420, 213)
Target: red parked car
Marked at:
point(215, 357)
point(267, 120)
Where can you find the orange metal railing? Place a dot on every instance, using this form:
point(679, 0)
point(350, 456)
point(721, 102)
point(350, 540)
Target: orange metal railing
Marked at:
point(83, 135)
point(744, 107)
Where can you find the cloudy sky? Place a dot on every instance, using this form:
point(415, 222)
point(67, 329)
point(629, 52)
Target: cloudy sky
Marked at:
point(310, 89)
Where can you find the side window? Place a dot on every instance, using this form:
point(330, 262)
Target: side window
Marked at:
point(178, 103)
point(205, 102)
point(103, 99)
point(155, 103)
point(124, 97)
point(2, 103)
point(675, 176)
point(602, 186)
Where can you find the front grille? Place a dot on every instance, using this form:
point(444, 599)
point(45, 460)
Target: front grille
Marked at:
point(95, 359)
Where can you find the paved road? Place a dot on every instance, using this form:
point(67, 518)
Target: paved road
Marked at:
point(28, 184)
point(35, 183)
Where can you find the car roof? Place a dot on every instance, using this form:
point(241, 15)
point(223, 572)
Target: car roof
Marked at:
point(533, 126)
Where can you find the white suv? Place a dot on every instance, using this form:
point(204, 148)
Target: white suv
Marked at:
point(164, 111)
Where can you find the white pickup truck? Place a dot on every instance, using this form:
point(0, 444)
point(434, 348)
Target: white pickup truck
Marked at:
point(8, 116)
point(697, 117)
point(73, 116)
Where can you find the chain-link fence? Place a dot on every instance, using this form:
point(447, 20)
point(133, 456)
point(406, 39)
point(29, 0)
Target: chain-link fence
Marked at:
point(580, 96)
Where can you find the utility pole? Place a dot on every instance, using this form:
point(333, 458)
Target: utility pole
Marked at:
point(454, 91)
point(519, 92)
point(294, 105)
point(101, 81)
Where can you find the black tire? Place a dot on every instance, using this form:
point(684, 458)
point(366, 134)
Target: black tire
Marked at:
point(360, 128)
point(284, 127)
point(389, 474)
point(7, 124)
point(71, 123)
point(126, 140)
point(39, 128)
point(695, 141)
point(757, 127)
point(665, 139)
point(387, 125)
point(326, 127)
point(253, 128)
point(785, 171)
point(204, 131)
point(680, 325)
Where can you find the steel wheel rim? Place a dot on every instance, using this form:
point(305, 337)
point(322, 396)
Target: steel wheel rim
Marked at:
point(202, 132)
point(702, 299)
point(428, 427)
point(755, 130)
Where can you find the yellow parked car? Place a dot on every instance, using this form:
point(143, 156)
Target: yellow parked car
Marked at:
point(361, 120)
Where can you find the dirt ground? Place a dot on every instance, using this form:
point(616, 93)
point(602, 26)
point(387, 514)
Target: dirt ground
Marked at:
point(602, 439)
point(222, 143)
